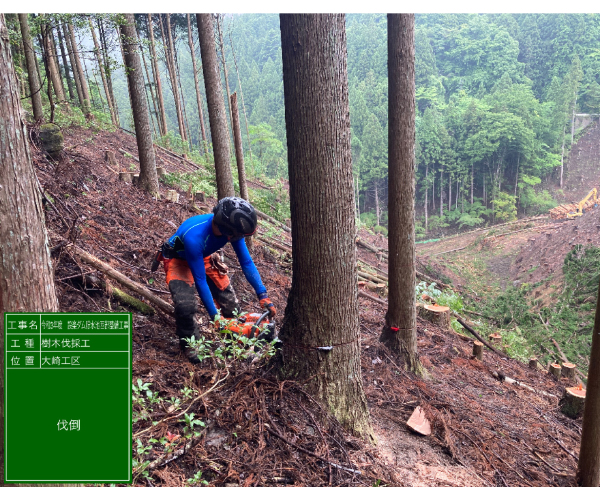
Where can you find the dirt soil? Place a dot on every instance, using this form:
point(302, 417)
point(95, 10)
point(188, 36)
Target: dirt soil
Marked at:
point(262, 431)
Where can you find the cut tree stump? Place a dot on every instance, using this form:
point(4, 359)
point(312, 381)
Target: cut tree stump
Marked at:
point(438, 315)
point(160, 171)
point(478, 350)
point(496, 338)
point(533, 363)
point(419, 423)
point(555, 370)
point(200, 197)
point(135, 179)
point(568, 370)
point(109, 156)
point(125, 176)
point(573, 401)
point(172, 195)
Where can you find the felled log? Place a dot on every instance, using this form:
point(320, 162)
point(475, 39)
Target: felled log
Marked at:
point(368, 246)
point(272, 220)
point(274, 244)
point(370, 297)
point(124, 280)
point(470, 329)
point(478, 350)
point(419, 423)
point(503, 378)
point(371, 277)
point(573, 401)
point(438, 315)
point(128, 300)
point(378, 288)
point(126, 154)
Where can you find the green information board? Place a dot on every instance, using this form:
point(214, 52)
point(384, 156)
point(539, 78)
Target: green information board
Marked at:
point(67, 397)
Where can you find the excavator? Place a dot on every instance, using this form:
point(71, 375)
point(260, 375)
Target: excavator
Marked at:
point(582, 204)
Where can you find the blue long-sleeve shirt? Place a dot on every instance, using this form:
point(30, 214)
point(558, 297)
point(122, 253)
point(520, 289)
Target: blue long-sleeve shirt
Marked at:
point(199, 241)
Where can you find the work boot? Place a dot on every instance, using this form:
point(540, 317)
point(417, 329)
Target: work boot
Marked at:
point(190, 352)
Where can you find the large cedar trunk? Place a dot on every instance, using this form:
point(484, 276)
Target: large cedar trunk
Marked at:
point(204, 143)
point(588, 470)
point(161, 103)
point(216, 106)
point(34, 84)
point(320, 332)
point(26, 276)
point(400, 330)
point(141, 119)
point(239, 150)
point(65, 64)
point(51, 64)
point(73, 65)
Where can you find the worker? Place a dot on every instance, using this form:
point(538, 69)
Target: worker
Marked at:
point(189, 258)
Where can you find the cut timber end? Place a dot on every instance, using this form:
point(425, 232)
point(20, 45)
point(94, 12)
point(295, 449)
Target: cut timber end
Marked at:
point(172, 195)
point(572, 402)
point(568, 370)
point(496, 338)
point(418, 423)
point(160, 171)
point(555, 369)
point(438, 315)
point(125, 176)
point(478, 350)
point(533, 363)
point(136, 179)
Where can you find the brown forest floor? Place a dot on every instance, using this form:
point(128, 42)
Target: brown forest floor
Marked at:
point(262, 431)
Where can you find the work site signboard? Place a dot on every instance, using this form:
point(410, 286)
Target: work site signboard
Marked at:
point(67, 397)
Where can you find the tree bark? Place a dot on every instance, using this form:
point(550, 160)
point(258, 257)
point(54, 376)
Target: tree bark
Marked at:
point(34, 84)
point(216, 106)
point(426, 191)
point(204, 142)
point(588, 469)
point(52, 41)
point(222, 47)
point(148, 179)
point(161, 102)
point(243, 105)
point(85, 104)
point(239, 150)
point(65, 64)
point(54, 75)
point(78, 88)
point(150, 88)
point(320, 332)
point(26, 275)
point(400, 330)
point(111, 107)
point(107, 68)
point(168, 42)
point(376, 202)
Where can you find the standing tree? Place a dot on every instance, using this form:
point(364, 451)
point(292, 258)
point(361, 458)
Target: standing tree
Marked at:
point(51, 63)
point(216, 107)
point(85, 94)
point(73, 65)
point(101, 66)
point(588, 469)
point(139, 106)
point(161, 102)
point(34, 84)
point(170, 62)
point(239, 150)
point(400, 329)
point(203, 141)
point(65, 64)
point(320, 332)
point(26, 276)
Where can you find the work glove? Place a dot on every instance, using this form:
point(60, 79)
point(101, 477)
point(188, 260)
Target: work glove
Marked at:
point(267, 304)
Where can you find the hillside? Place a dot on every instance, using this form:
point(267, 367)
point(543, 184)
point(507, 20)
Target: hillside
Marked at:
point(260, 431)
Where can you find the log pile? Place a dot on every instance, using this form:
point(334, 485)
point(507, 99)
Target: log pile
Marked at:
point(561, 211)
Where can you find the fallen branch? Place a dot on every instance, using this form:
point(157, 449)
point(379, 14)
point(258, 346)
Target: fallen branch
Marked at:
point(274, 244)
point(126, 154)
point(124, 280)
point(512, 381)
point(159, 462)
point(374, 279)
point(463, 322)
point(478, 314)
point(374, 249)
point(429, 279)
point(383, 273)
point(564, 358)
point(448, 251)
point(370, 297)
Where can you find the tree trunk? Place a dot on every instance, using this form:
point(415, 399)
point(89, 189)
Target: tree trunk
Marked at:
point(433, 192)
point(472, 181)
point(107, 68)
point(203, 141)
point(65, 65)
point(239, 150)
point(161, 102)
point(426, 190)
point(34, 84)
point(168, 43)
point(400, 330)
point(449, 192)
point(216, 107)
point(148, 179)
point(320, 332)
point(56, 60)
point(243, 105)
point(588, 469)
point(150, 88)
point(78, 88)
point(376, 202)
point(26, 275)
point(562, 157)
point(222, 46)
point(183, 106)
point(111, 108)
point(53, 74)
point(441, 192)
point(79, 68)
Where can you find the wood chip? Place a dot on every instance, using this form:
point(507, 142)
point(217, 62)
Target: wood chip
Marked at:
point(418, 423)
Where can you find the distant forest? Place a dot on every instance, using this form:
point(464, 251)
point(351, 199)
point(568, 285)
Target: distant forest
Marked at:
point(495, 97)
